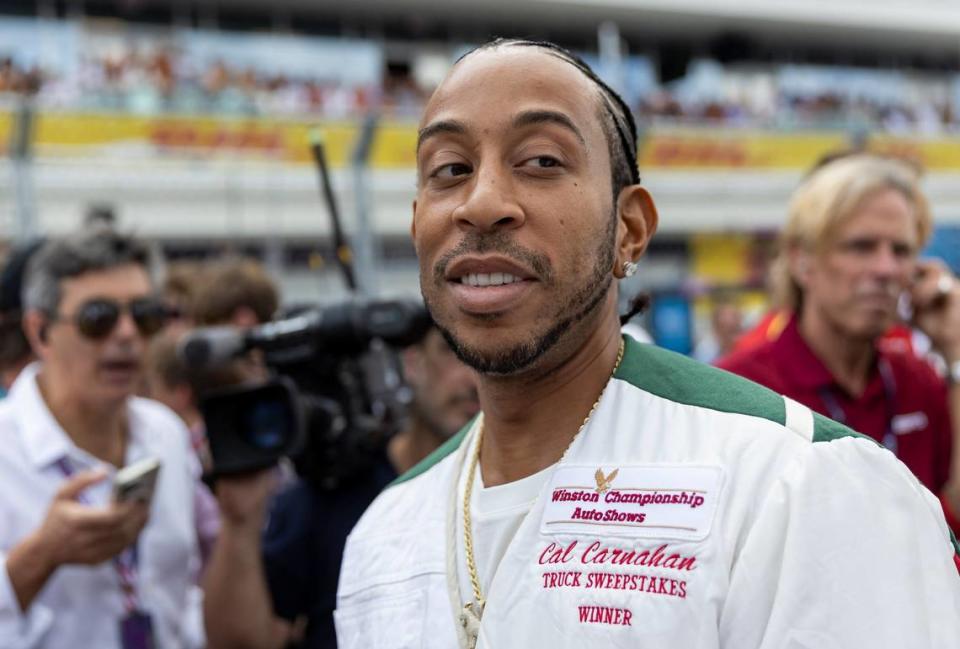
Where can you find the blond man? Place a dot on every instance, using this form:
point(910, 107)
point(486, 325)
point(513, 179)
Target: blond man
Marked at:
point(848, 258)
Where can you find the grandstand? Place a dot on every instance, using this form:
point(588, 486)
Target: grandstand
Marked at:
point(193, 119)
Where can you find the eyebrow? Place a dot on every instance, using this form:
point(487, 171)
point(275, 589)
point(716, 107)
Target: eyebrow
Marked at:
point(534, 117)
point(528, 118)
point(436, 128)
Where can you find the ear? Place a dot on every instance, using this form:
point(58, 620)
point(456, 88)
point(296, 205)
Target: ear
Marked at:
point(35, 326)
point(637, 221)
point(413, 222)
point(800, 262)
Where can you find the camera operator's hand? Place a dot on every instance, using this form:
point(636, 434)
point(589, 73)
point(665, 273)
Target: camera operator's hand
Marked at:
point(238, 611)
point(936, 302)
point(73, 533)
point(243, 498)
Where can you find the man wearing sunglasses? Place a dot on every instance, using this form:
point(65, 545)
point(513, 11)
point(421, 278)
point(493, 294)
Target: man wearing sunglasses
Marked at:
point(79, 568)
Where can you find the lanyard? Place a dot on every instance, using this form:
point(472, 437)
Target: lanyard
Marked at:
point(890, 402)
point(124, 563)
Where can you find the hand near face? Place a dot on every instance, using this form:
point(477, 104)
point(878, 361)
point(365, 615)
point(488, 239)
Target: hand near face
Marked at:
point(243, 498)
point(936, 311)
point(75, 533)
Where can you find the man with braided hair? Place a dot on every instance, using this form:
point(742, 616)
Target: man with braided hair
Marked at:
point(612, 494)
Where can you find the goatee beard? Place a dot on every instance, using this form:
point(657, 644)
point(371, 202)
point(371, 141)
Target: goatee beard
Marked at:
point(522, 356)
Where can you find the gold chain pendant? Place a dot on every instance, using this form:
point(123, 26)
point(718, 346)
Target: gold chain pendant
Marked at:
point(473, 611)
point(470, 620)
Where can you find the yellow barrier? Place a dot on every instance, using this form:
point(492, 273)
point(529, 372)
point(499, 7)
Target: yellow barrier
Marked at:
point(716, 148)
point(287, 141)
point(76, 135)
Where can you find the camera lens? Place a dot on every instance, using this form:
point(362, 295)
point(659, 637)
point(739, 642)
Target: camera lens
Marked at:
point(268, 425)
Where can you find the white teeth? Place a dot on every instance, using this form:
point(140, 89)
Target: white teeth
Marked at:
point(489, 279)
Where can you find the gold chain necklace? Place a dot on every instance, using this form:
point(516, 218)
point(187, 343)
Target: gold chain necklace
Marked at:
point(473, 611)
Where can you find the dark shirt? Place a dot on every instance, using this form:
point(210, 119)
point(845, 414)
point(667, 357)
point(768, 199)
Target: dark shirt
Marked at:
point(913, 405)
point(303, 547)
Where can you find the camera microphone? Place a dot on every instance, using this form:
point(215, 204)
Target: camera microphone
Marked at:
point(211, 346)
point(337, 330)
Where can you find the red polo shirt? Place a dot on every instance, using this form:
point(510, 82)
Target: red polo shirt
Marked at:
point(920, 414)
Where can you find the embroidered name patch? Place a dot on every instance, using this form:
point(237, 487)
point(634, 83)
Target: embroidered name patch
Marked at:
point(643, 501)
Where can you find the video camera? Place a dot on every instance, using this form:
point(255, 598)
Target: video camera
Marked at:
point(335, 397)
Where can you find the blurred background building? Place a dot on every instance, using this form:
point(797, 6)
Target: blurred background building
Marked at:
point(190, 122)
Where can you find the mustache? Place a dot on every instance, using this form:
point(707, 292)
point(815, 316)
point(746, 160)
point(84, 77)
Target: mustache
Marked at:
point(501, 243)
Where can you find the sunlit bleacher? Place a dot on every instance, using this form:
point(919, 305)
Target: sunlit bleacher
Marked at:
point(110, 66)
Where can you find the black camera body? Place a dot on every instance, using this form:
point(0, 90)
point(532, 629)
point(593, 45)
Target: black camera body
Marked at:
point(336, 394)
point(250, 427)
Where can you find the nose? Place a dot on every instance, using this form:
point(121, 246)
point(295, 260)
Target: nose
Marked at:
point(886, 263)
point(125, 328)
point(490, 203)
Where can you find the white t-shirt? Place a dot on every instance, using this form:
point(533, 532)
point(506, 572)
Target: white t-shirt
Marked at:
point(496, 513)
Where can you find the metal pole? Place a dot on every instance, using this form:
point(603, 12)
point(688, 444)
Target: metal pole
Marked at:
point(364, 238)
point(610, 48)
point(21, 142)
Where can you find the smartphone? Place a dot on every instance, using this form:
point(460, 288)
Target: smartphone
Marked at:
point(136, 481)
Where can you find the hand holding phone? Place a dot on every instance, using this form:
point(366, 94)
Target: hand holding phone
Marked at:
point(136, 481)
point(935, 295)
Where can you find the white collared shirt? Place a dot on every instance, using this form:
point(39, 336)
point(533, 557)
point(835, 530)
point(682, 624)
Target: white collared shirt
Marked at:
point(81, 606)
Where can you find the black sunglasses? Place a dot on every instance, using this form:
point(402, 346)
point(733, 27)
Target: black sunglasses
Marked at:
point(96, 318)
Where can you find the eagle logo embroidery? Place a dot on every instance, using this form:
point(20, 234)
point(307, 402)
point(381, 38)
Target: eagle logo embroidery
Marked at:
point(603, 482)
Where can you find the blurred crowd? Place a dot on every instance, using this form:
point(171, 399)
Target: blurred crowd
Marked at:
point(18, 80)
point(159, 80)
point(156, 76)
point(829, 110)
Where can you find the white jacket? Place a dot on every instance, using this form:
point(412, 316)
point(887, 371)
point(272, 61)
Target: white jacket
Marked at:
point(736, 519)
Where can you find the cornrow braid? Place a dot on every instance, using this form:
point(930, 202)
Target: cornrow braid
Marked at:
point(619, 126)
point(637, 305)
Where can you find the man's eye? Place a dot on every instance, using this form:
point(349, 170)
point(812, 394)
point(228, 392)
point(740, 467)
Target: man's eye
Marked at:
point(542, 162)
point(902, 251)
point(860, 246)
point(451, 170)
